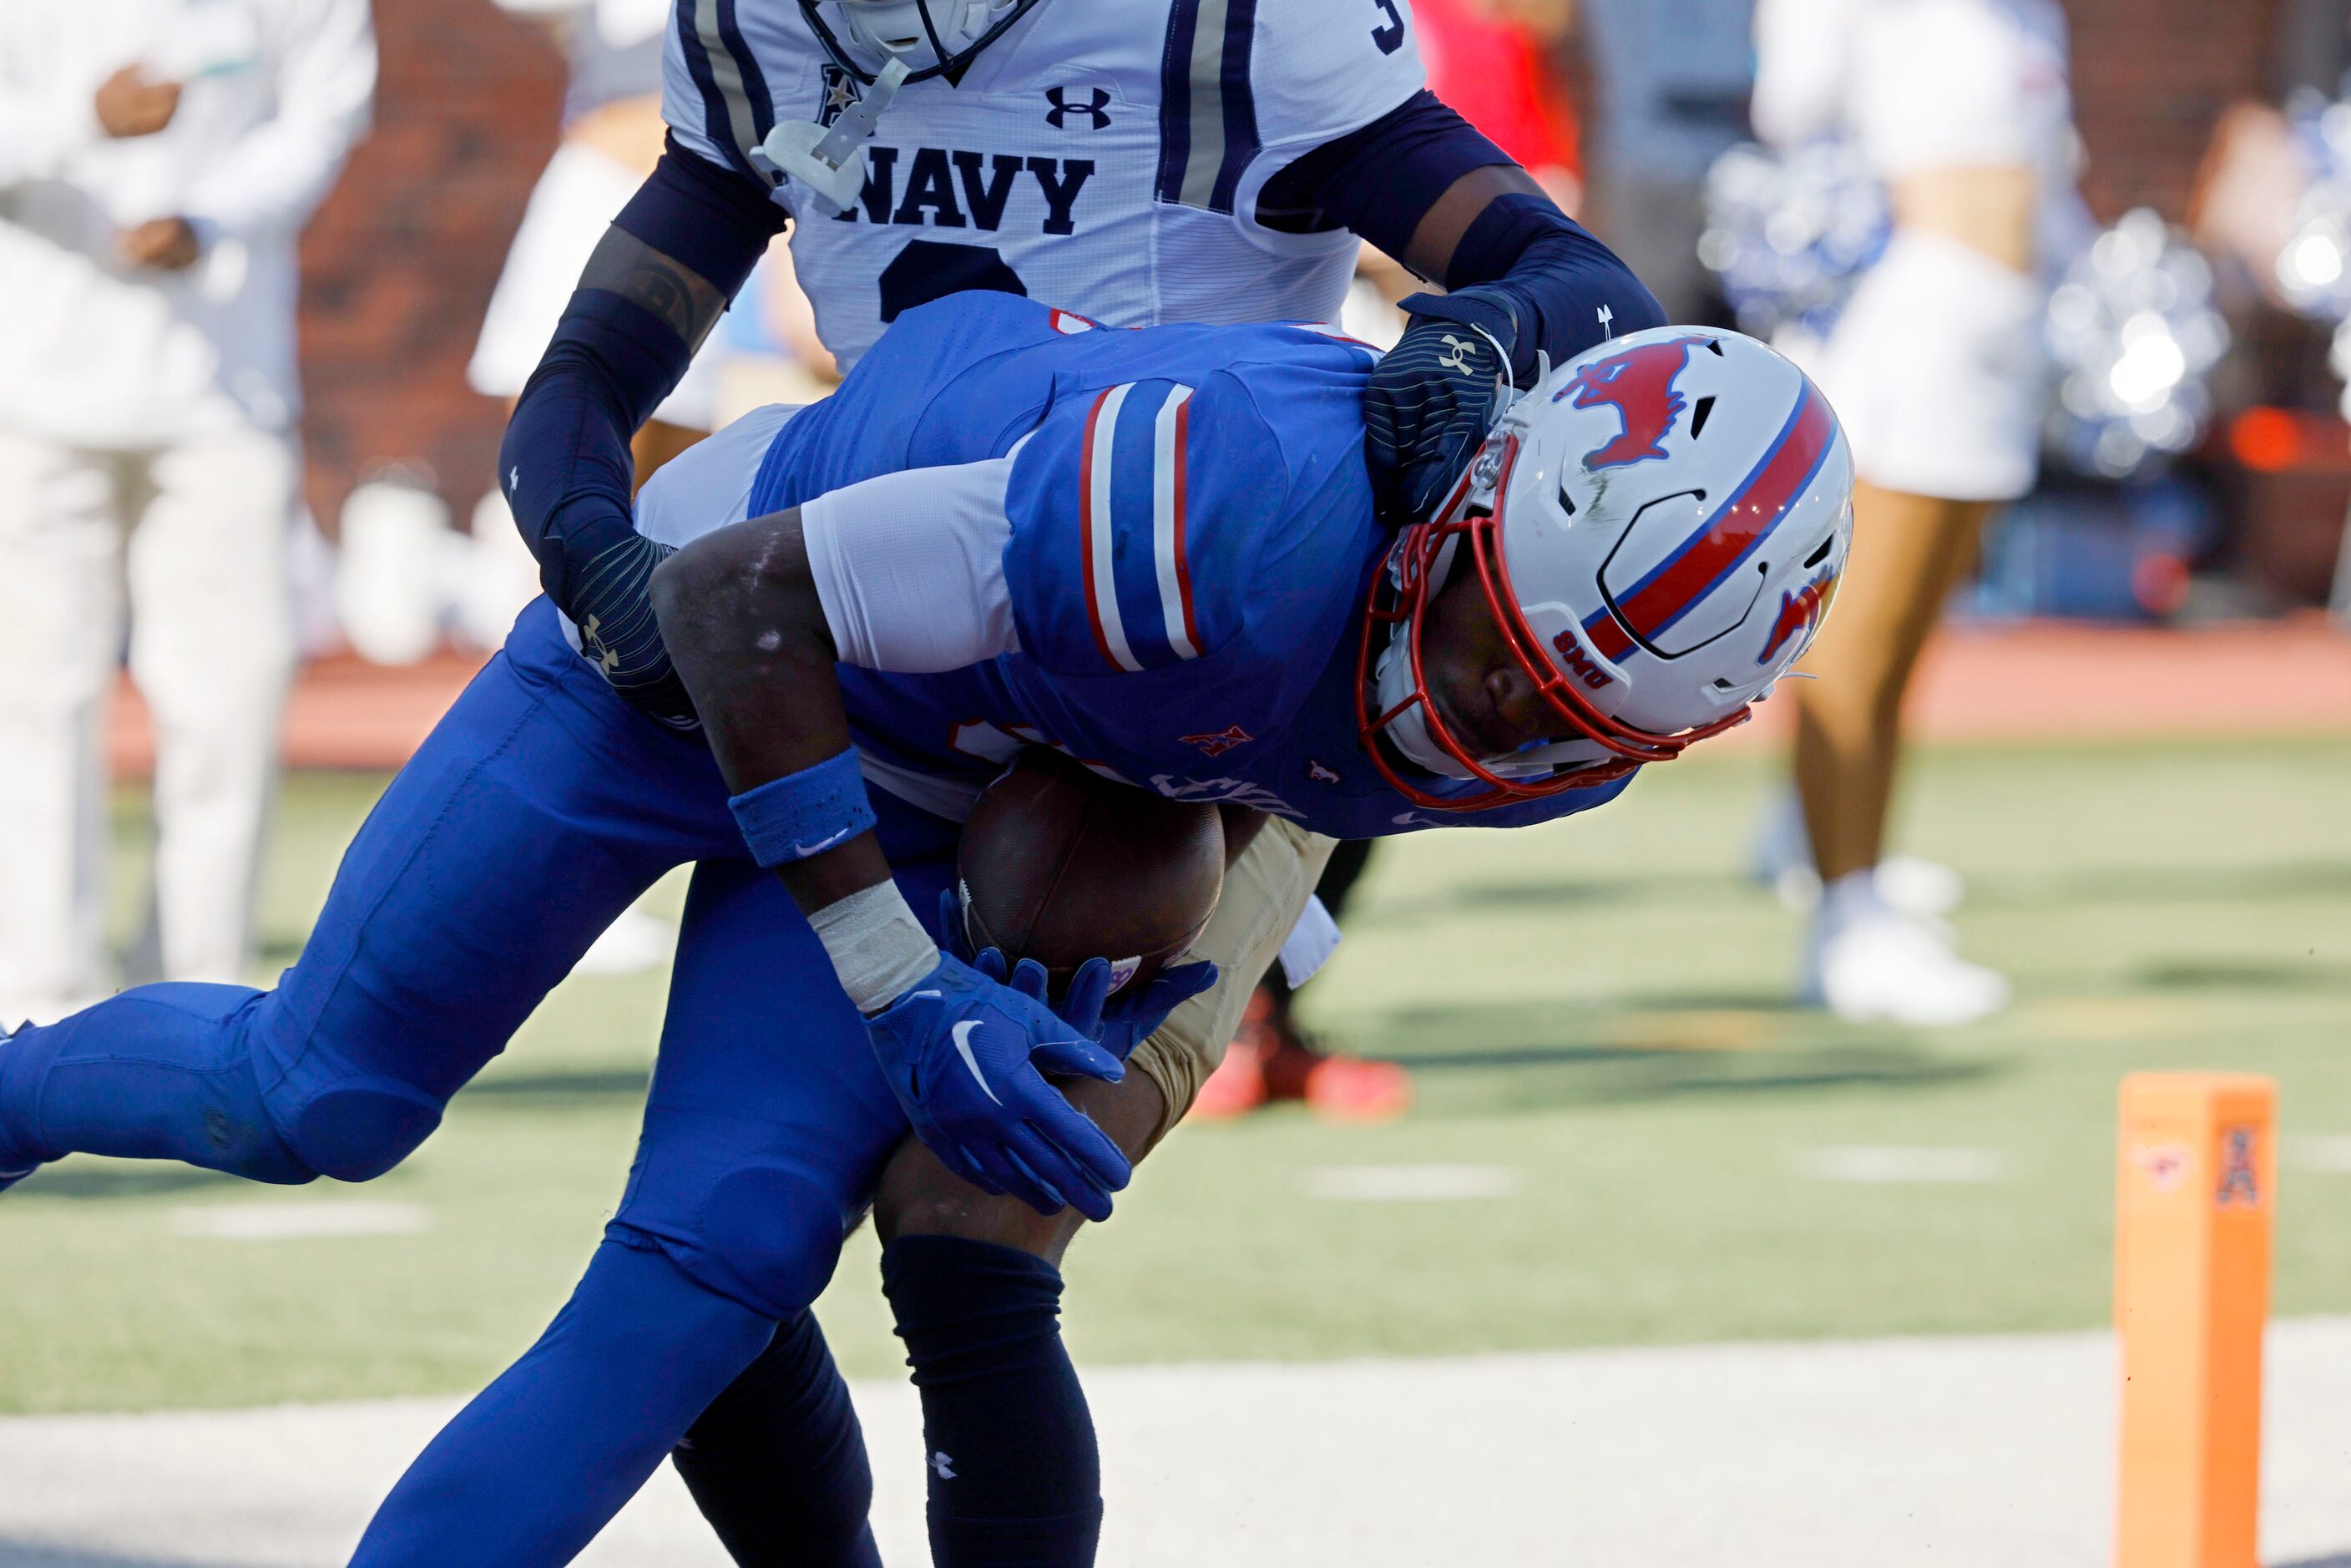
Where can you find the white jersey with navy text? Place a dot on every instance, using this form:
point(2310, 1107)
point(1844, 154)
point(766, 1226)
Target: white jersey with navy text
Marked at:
point(1104, 156)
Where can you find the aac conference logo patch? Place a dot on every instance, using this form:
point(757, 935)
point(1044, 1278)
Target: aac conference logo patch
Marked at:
point(2241, 1182)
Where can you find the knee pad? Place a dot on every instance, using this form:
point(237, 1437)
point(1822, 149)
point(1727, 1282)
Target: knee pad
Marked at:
point(776, 1232)
point(360, 1127)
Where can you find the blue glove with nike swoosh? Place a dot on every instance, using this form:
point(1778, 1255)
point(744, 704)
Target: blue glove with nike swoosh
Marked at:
point(967, 1056)
point(1116, 1023)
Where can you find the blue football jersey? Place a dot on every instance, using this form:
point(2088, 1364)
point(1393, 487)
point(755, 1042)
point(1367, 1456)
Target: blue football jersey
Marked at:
point(1192, 541)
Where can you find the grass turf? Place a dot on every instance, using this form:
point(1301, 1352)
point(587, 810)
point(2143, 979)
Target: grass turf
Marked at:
point(1594, 1014)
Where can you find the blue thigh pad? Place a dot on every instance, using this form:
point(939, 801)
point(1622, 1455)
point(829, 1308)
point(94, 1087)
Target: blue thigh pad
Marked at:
point(538, 808)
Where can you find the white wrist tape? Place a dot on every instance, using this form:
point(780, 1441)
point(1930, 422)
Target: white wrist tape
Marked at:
point(877, 947)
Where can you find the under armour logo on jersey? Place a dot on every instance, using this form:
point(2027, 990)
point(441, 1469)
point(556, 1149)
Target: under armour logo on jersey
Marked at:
point(1224, 740)
point(1457, 354)
point(1639, 385)
point(1095, 108)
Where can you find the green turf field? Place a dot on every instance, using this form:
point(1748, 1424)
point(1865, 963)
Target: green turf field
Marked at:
point(1594, 1013)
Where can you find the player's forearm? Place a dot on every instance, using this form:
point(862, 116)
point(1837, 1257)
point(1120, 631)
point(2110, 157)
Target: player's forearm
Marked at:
point(656, 284)
point(740, 612)
point(1500, 245)
point(1421, 184)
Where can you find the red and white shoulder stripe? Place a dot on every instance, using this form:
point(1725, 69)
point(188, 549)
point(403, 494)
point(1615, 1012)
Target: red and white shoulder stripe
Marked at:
point(1133, 523)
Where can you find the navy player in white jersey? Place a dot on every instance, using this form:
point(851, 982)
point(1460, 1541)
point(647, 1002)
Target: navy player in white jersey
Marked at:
point(1157, 549)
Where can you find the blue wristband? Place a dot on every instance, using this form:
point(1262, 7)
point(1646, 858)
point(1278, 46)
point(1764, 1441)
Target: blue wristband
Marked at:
point(804, 813)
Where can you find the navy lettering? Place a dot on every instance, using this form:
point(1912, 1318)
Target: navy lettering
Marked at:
point(929, 185)
point(987, 201)
point(1060, 181)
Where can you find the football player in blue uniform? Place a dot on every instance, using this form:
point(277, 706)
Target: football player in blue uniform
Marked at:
point(1157, 550)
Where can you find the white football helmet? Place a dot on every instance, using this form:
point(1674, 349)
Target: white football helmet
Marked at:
point(933, 37)
point(1659, 525)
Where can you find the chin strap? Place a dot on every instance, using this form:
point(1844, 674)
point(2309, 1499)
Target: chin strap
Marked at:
point(829, 161)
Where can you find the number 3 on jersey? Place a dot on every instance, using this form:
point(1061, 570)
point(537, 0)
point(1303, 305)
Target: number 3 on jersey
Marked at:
point(1389, 35)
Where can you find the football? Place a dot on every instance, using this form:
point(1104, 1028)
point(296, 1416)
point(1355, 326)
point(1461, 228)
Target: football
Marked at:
point(1060, 865)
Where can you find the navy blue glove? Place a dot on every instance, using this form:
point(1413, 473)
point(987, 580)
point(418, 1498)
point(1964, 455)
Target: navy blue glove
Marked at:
point(1433, 397)
point(1117, 1024)
point(962, 1053)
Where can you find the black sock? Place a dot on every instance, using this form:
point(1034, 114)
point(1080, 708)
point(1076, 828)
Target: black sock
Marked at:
point(1014, 1477)
point(777, 1463)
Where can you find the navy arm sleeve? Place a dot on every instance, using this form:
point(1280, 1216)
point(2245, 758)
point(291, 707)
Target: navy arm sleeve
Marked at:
point(1542, 275)
point(623, 346)
point(1523, 280)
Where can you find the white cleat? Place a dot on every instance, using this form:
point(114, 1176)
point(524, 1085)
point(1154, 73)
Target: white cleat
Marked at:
point(1912, 885)
point(1868, 962)
point(1781, 858)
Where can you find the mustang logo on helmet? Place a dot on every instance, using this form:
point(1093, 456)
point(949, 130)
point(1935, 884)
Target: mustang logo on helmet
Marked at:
point(1639, 385)
point(1798, 611)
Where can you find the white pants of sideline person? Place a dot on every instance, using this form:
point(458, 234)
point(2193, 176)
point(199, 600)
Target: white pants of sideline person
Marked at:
point(196, 533)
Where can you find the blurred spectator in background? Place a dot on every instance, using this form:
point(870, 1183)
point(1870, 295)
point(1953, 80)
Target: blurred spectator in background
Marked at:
point(157, 160)
point(1934, 367)
point(1670, 80)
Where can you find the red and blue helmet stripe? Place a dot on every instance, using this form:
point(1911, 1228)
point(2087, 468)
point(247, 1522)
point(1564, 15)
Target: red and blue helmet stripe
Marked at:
point(1731, 533)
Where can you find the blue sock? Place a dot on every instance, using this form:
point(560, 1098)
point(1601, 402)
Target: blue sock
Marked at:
point(777, 1463)
point(1015, 1476)
point(543, 1457)
point(162, 1072)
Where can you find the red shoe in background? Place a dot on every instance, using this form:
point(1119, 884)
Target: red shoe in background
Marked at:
point(1341, 1088)
point(1335, 1086)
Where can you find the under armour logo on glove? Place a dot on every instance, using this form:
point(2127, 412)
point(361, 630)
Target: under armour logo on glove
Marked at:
point(618, 631)
point(1433, 398)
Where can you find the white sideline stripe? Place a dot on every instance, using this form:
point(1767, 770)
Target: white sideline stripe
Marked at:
point(1965, 1453)
point(1895, 1164)
point(1100, 534)
point(2329, 1155)
point(300, 1221)
point(1411, 1184)
point(1166, 468)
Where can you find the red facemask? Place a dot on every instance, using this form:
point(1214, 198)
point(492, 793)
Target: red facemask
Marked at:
point(1414, 566)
